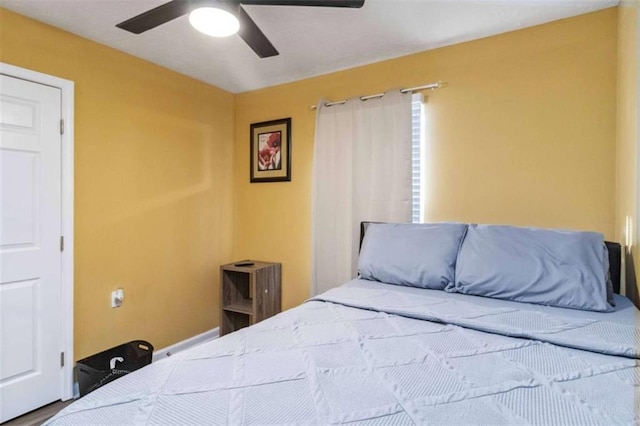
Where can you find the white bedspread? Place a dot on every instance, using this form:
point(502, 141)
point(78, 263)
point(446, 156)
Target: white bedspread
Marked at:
point(328, 361)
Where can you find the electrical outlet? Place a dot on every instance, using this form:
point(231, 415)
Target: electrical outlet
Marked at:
point(117, 297)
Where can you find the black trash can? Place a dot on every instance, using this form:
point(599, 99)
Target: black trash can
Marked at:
point(106, 366)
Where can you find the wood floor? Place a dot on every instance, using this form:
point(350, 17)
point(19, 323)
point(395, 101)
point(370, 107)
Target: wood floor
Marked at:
point(39, 416)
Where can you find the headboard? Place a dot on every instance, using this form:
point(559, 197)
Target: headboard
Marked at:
point(615, 253)
point(615, 264)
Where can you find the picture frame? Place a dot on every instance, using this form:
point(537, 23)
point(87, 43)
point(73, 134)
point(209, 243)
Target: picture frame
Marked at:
point(270, 151)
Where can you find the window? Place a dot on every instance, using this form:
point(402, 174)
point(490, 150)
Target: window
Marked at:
point(417, 151)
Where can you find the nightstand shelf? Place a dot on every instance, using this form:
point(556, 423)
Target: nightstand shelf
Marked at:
point(244, 307)
point(249, 294)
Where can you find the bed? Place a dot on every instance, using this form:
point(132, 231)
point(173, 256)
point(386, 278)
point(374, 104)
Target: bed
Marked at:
point(371, 352)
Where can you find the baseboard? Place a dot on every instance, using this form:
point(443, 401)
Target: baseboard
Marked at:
point(187, 343)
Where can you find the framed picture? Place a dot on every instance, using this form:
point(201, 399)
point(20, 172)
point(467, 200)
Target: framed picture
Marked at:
point(270, 151)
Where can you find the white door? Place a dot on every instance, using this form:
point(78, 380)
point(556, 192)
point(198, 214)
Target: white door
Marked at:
point(30, 260)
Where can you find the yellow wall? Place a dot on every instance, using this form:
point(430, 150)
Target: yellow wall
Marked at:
point(627, 124)
point(153, 182)
point(524, 134)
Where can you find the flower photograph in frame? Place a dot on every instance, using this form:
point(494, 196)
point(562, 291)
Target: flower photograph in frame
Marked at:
point(270, 151)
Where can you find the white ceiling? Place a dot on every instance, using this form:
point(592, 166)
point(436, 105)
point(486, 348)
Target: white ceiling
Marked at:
point(311, 41)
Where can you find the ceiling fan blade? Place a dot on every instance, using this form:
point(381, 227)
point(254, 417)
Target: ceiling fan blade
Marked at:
point(254, 37)
point(157, 16)
point(317, 3)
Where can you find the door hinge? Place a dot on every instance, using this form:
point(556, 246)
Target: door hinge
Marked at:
point(62, 126)
point(61, 359)
point(61, 243)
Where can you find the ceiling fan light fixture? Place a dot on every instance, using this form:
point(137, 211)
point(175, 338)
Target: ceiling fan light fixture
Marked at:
point(214, 22)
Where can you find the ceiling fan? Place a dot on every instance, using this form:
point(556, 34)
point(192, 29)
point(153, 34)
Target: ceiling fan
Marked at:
point(222, 18)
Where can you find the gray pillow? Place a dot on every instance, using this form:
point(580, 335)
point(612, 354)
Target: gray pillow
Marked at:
point(543, 266)
point(416, 255)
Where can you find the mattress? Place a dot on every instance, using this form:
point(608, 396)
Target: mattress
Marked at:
point(373, 353)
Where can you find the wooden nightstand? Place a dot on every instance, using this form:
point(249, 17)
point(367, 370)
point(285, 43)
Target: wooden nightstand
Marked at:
point(248, 294)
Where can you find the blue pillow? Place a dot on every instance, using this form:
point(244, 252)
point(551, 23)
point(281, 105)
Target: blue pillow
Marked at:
point(550, 267)
point(416, 255)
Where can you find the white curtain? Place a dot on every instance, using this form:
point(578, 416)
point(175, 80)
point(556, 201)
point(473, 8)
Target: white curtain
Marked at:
point(361, 172)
